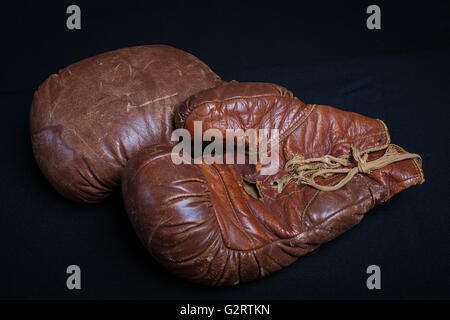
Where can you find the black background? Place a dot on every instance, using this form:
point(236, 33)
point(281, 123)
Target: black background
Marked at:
point(323, 52)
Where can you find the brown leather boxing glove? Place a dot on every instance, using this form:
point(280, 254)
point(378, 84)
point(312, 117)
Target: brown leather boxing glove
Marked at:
point(221, 224)
point(91, 117)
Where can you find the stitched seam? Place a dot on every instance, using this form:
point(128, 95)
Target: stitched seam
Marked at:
point(411, 178)
point(376, 148)
point(232, 208)
point(417, 165)
point(305, 210)
point(258, 186)
point(419, 169)
point(298, 123)
point(254, 215)
point(191, 109)
point(367, 186)
point(348, 141)
point(337, 212)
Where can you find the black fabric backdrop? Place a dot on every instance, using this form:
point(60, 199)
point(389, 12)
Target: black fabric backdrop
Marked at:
point(321, 51)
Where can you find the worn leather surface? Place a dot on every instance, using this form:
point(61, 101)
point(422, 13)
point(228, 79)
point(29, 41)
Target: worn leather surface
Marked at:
point(91, 117)
point(201, 223)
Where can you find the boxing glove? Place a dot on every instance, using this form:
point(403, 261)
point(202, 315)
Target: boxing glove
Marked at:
point(91, 117)
point(221, 224)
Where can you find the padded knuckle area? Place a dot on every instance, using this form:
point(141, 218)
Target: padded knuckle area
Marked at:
point(337, 211)
point(107, 107)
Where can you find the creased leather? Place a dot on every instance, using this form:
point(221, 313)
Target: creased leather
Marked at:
point(201, 223)
point(91, 117)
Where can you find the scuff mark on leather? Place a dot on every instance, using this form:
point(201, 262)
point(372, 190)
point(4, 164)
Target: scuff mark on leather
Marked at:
point(130, 106)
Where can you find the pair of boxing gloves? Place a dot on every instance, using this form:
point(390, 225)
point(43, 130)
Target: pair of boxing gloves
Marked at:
point(108, 120)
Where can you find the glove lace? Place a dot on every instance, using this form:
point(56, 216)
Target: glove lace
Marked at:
point(305, 171)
